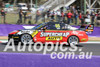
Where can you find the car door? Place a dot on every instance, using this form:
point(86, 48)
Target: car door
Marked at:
point(50, 34)
point(53, 34)
point(65, 32)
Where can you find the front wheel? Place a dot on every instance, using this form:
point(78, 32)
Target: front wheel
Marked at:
point(73, 40)
point(26, 38)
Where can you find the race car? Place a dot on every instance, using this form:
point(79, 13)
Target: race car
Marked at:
point(51, 32)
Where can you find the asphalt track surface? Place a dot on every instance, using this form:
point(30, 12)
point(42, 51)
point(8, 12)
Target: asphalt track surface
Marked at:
point(86, 47)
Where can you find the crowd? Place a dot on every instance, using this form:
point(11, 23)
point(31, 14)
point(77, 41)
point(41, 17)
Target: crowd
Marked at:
point(25, 15)
point(70, 16)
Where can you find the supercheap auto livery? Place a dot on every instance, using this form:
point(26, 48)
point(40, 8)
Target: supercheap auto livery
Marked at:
point(51, 32)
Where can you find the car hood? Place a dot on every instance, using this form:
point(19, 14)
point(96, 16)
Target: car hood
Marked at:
point(25, 31)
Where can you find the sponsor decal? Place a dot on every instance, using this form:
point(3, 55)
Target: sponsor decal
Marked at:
point(34, 33)
point(89, 30)
point(25, 31)
point(54, 38)
point(57, 26)
point(15, 37)
point(74, 32)
point(83, 39)
point(46, 34)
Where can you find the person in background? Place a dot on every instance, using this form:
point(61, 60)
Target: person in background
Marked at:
point(93, 17)
point(81, 18)
point(48, 14)
point(66, 16)
point(20, 16)
point(37, 15)
point(98, 19)
point(25, 16)
point(52, 15)
point(69, 16)
point(43, 16)
point(3, 13)
point(76, 17)
point(87, 18)
point(58, 16)
point(73, 9)
point(62, 16)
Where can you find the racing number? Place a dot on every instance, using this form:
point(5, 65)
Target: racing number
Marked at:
point(57, 26)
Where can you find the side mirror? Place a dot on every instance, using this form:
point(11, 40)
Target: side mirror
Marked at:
point(43, 29)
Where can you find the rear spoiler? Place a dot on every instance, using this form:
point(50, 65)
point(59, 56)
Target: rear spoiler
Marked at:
point(87, 28)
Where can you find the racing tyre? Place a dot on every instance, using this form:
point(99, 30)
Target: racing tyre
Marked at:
point(73, 40)
point(26, 38)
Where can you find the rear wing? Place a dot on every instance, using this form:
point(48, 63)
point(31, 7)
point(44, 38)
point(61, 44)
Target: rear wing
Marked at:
point(87, 28)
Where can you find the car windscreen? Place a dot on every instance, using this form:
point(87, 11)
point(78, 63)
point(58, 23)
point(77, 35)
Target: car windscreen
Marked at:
point(39, 26)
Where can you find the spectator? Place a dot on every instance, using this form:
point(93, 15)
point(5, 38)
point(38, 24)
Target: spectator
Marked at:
point(62, 16)
point(93, 17)
point(3, 13)
point(52, 15)
point(98, 19)
point(58, 15)
point(20, 16)
point(81, 18)
point(37, 16)
point(25, 16)
point(76, 17)
point(43, 16)
point(66, 15)
point(48, 14)
point(73, 9)
point(87, 18)
point(69, 16)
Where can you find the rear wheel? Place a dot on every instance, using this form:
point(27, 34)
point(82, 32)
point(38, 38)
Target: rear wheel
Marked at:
point(73, 39)
point(26, 38)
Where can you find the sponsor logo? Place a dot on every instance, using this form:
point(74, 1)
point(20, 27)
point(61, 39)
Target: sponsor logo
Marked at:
point(43, 34)
point(54, 38)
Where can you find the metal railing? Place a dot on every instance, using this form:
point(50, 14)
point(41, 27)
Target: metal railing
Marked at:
point(56, 4)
